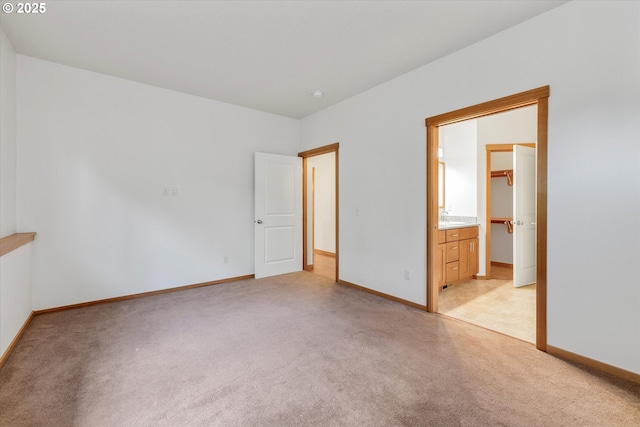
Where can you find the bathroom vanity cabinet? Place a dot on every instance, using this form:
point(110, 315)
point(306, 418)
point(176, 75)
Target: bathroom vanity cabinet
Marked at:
point(457, 255)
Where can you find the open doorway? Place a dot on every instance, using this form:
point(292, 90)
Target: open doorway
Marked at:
point(482, 183)
point(320, 211)
point(539, 98)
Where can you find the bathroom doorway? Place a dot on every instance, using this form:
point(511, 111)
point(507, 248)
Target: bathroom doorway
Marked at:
point(493, 299)
point(539, 98)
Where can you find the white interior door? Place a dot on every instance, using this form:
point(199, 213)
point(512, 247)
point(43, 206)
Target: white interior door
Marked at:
point(278, 214)
point(524, 215)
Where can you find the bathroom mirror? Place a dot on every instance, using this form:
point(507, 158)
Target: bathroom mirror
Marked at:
point(440, 184)
point(459, 178)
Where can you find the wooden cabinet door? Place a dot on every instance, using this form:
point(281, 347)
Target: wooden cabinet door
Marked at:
point(465, 255)
point(468, 257)
point(474, 257)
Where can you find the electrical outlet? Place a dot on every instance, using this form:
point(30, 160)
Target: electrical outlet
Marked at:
point(165, 192)
point(407, 275)
point(226, 259)
point(174, 191)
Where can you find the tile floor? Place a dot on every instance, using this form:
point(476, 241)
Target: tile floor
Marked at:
point(494, 304)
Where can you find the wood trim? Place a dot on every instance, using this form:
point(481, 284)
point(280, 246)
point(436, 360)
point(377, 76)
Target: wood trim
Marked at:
point(541, 225)
point(313, 210)
point(320, 150)
point(432, 219)
point(143, 294)
point(537, 96)
point(14, 241)
point(487, 204)
point(500, 105)
point(382, 294)
point(331, 148)
point(508, 147)
point(325, 253)
point(337, 179)
point(591, 363)
point(305, 213)
point(15, 340)
point(309, 268)
point(501, 264)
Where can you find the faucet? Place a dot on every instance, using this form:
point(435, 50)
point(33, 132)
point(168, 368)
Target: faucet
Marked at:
point(442, 215)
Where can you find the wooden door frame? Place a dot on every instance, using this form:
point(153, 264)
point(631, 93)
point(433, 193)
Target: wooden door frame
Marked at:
point(539, 97)
point(489, 149)
point(313, 209)
point(332, 148)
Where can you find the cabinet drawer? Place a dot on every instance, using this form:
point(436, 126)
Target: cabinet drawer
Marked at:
point(452, 272)
point(468, 232)
point(453, 235)
point(462, 233)
point(453, 251)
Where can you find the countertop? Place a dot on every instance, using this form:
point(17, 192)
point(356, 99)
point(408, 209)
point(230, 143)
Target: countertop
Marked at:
point(454, 224)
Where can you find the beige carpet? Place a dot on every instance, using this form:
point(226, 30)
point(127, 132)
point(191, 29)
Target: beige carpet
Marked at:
point(493, 304)
point(291, 350)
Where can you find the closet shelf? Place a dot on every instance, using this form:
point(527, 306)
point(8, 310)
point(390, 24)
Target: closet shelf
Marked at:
point(498, 220)
point(505, 221)
point(504, 173)
point(14, 241)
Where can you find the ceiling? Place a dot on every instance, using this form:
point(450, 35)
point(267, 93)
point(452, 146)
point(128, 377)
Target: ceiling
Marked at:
point(265, 55)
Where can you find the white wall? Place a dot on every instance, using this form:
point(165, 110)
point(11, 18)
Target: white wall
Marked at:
point(589, 54)
point(94, 153)
point(325, 206)
point(15, 267)
point(460, 146)
point(501, 160)
point(7, 137)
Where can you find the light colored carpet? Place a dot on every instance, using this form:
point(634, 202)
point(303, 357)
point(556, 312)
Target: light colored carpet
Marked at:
point(493, 304)
point(291, 350)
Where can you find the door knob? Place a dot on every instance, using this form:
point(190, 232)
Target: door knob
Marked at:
point(259, 221)
point(519, 222)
